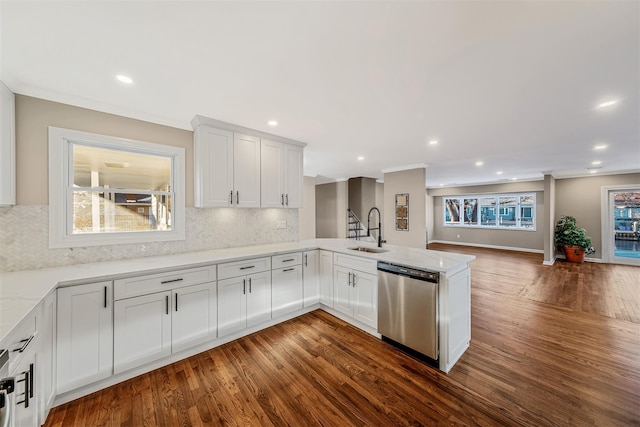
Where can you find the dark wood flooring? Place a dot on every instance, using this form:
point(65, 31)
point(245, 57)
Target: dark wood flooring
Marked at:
point(551, 346)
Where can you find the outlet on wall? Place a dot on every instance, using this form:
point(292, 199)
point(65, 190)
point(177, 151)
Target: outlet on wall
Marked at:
point(458, 236)
point(281, 224)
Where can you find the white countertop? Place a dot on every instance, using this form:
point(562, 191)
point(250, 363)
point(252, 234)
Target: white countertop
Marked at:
point(21, 291)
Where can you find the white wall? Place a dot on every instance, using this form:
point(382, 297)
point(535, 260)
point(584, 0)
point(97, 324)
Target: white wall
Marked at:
point(411, 182)
point(308, 210)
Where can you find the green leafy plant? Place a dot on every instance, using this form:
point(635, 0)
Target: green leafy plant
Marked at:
point(569, 234)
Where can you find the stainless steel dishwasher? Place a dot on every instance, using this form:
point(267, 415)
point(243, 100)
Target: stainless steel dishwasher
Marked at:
point(408, 307)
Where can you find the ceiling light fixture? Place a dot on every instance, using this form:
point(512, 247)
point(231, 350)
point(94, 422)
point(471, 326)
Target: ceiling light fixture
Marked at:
point(608, 103)
point(272, 123)
point(360, 157)
point(514, 178)
point(479, 163)
point(124, 79)
point(600, 147)
point(596, 162)
point(593, 171)
point(499, 173)
point(433, 142)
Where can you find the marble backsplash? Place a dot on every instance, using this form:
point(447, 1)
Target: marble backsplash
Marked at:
point(24, 236)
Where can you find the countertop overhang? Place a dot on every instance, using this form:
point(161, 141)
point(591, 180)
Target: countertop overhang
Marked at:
point(22, 291)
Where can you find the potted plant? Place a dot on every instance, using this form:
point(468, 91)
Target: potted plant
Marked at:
point(573, 240)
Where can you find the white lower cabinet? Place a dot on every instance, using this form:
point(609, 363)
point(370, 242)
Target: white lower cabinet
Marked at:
point(142, 330)
point(46, 357)
point(243, 301)
point(151, 327)
point(356, 291)
point(311, 277)
point(326, 278)
point(25, 395)
point(286, 290)
point(84, 351)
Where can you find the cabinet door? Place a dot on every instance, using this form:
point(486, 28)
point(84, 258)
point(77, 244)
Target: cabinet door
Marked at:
point(293, 176)
point(84, 335)
point(342, 290)
point(25, 395)
point(7, 147)
point(232, 305)
point(326, 278)
point(194, 315)
point(142, 330)
point(246, 171)
point(272, 174)
point(286, 290)
point(365, 298)
point(258, 298)
point(46, 357)
point(213, 167)
point(310, 277)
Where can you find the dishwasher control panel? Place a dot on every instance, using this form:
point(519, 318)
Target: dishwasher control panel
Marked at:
point(429, 276)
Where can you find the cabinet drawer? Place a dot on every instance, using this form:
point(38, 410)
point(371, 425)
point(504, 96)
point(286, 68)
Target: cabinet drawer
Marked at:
point(22, 338)
point(240, 268)
point(142, 285)
point(355, 262)
point(281, 261)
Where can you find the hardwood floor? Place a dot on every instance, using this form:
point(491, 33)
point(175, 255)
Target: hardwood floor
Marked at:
point(551, 346)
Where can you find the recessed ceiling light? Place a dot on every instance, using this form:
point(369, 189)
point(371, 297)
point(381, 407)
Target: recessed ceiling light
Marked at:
point(600, 147)
point(272, 123)
point(479, 163)
point(433, 142)
point(596, 162)
point(441, 185)
point(124, 79)
point(499, 173)
point(360, 157)
point(608, 103)
point(514, 179)
point(593, 171)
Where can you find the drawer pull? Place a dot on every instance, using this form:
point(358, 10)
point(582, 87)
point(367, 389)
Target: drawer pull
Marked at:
point(164, 282)
point(166, 301)
point(25, 344)
point(244, 286)
point(288, 260)
point(105, 297)
point(288, 269)
point(249, 284)
point(248, 267)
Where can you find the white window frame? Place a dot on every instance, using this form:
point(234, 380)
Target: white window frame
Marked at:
point(499, 209)
point(61, 181)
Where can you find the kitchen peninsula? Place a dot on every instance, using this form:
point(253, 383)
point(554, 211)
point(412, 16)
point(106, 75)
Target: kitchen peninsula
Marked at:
point(200, 300)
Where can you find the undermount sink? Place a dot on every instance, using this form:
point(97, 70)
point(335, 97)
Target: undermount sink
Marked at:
point(371, 250)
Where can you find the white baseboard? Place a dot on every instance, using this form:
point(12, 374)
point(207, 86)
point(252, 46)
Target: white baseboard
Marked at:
point(586, 259)
point(481, 245)
point(553, 261)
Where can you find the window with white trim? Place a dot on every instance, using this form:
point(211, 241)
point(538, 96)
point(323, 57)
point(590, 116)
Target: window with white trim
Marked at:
point(107, 190)
point(506, 211)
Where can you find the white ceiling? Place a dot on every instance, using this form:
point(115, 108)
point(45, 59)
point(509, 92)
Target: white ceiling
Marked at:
point(512, 84)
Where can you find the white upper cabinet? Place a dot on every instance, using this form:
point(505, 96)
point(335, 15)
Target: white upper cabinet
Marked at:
point(281, 175)
point(246, 171)
point(7, 147)
point(213, 164)
point(241, 167)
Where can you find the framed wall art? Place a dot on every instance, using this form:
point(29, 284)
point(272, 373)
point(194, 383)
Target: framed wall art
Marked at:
point(402, 212)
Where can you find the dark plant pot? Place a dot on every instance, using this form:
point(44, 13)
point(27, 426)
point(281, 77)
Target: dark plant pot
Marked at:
point(574, 253)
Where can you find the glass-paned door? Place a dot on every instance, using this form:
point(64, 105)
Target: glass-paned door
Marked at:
point(624, 214)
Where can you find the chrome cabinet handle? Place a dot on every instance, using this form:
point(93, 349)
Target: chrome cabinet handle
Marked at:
point(288, 269)
point(237, 197)
point(231, 197)
point(287, 198)
point(306, 263)
point(244, 286)
point(105, 297)
point(245, 268)
point(282, 199)
point(166, 300)
point(164, 282)
point(31, 376)
point(349, 278)
point(176, 301)
point(354, 280)
point(249, 284)
point(288, 260)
